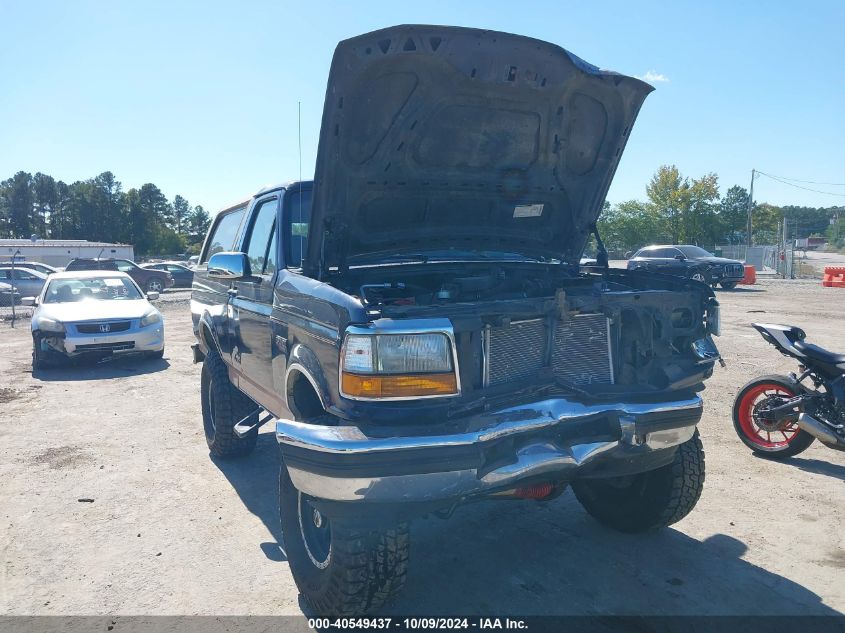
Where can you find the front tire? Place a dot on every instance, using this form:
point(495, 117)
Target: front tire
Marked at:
point(647, 501)
point(340, 569)
point(39, 362)
point(223, 406)
point(155, 285)
point(776, 441)
point(700, 275)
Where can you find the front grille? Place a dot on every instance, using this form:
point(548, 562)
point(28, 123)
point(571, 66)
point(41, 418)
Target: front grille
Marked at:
point(98, 328)
point(734, 270)
point(579, 355)
point(106, 347)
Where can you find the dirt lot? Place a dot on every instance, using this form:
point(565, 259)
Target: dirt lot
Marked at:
point(171, 531)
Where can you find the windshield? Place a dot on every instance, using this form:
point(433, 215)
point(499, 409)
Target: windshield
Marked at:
point(694, 251)
point(91, 289)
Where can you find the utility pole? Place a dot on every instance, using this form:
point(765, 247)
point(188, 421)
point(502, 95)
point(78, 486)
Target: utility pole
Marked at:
point(750, 206)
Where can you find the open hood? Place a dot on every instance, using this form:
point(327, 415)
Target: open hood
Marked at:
point(437, 137)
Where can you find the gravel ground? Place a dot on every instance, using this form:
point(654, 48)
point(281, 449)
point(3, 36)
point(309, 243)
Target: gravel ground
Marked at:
point(170, 531)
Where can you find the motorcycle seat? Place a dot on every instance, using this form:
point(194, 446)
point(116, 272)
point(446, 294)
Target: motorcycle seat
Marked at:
point(819, 353)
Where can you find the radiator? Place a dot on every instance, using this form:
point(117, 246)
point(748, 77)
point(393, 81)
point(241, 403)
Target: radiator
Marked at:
point(577, 350)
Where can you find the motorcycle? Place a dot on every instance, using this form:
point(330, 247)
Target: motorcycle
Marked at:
point(780, 416)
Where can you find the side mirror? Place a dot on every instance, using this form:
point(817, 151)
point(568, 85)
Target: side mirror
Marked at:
point(680, 257)
point(152, 295)
point(229, 266)
point(29, 301)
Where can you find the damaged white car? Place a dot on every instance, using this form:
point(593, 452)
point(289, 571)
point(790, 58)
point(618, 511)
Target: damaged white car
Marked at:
point(95, 314)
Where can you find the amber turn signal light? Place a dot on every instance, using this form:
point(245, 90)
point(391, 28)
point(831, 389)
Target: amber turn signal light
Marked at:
point(413, 386)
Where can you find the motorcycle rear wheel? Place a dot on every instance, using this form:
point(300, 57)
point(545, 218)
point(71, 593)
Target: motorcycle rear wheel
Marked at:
point(786, 441)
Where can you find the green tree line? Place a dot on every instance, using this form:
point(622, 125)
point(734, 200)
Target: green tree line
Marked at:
point(99, 209)
point(683, 210)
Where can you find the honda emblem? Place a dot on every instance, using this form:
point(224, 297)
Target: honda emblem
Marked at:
point(105, 327)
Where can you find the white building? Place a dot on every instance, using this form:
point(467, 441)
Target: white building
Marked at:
point(60, 252)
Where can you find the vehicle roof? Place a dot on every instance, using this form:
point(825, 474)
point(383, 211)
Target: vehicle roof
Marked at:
point(671, 246)
point(89, 274)
point(37, 273)
point(264, 190)
point(96, 259)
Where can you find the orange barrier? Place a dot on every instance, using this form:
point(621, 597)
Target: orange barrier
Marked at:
point(834, 277)
point(750, 275)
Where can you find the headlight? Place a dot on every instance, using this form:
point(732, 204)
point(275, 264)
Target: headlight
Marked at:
point(714, 319)
point(379, 366)
point(150, 318)
point(49, 325)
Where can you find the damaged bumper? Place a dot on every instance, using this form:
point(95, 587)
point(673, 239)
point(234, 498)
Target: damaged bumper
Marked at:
point(71, 344)
point(554, 440)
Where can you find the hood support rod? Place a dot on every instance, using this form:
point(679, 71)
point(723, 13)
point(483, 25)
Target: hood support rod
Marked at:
point(601, 252)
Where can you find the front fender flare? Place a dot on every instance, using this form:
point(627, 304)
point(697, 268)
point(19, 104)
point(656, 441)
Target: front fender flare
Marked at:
point(303, 360)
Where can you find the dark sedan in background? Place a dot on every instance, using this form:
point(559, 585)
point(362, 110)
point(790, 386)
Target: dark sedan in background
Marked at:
point(148, 280)
point(692, 262)
point(183, 276)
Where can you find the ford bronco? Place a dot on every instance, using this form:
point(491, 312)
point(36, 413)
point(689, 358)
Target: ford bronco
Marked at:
point(416, 322)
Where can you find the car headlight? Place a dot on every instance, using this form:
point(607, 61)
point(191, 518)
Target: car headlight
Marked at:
point(49, 325)
point(385, 366)
point(150, 318)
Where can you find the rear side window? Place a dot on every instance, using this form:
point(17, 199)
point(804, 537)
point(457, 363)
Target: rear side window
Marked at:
point(260, 235)
point(224, 233)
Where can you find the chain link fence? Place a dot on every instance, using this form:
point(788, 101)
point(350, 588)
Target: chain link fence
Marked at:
point(771, 259)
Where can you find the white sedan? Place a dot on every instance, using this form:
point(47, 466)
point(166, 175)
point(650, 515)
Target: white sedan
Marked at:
point(94, 313)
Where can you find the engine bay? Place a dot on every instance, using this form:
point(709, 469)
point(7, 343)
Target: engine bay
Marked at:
point(515, 322)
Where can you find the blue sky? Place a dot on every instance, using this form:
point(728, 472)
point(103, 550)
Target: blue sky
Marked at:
point(200, 98)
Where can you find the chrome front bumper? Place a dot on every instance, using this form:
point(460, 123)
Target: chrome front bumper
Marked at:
point(551, 440)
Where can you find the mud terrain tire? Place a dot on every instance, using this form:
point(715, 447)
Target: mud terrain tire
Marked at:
point(223, 406)
point(647, 501)
point(360, 569)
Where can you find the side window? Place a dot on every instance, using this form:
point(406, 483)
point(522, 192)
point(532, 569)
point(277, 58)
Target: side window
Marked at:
point(124, 266)
point(224, 233)
point(22, 274)
point(671, 252)
point(258, 242)
point(297, 221)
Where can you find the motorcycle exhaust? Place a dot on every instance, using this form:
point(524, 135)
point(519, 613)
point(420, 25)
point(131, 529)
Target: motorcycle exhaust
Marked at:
point(820, 431)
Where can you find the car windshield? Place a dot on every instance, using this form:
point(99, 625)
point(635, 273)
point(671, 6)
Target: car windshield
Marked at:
point(91, 289)
point(694, 251)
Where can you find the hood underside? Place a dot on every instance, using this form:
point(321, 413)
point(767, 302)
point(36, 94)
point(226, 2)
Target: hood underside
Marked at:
point(452, 138)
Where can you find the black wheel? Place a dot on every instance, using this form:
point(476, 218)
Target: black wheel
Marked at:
point(728, 285)
point(340, 569)
point(223, 406)
point(647, 501)
point(700, 275)
point(155, 285)
point(774, 439)
point(41, 359)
